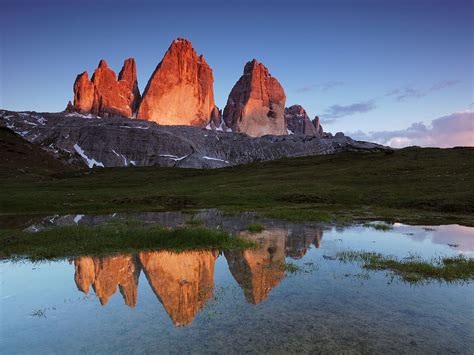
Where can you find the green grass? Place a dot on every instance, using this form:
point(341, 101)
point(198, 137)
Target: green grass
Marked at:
point(379, 226)
point(255, 228)
point(195, 222)
point(414, 269)
point(111, 238)
point(423, 186)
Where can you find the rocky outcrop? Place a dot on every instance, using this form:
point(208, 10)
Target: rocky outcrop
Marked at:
point(183, 282)
point(84, 93)
point(259, 270)
point(317, 124)
point(124, 142)
point(128, 75)
point(105, 274)
point(256, 103)
point(180, 90)
point(298, 122)
point(106, 96)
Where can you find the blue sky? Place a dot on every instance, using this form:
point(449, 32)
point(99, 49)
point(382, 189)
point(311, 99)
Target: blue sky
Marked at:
point(368, 65)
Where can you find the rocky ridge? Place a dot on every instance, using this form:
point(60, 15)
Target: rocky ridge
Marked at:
point(118, 141)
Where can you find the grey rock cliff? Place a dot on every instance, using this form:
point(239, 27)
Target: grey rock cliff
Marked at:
point(117, 141)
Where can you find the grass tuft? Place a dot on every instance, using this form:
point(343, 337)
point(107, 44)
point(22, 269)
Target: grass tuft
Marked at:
point(111, 238)
point(255, 228)
point(414, 269)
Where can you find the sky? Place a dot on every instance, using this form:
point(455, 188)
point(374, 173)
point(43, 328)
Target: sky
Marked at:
point(399, 72)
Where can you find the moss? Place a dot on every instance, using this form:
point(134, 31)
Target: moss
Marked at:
point(111, 238)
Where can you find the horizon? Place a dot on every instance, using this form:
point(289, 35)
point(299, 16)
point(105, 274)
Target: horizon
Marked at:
point(404, 79)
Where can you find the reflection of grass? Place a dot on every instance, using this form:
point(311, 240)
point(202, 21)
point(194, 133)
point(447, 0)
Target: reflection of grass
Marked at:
point(111, 238)
point(379, 226)
point(292, 268)
point(255, 228)
point(413, 269)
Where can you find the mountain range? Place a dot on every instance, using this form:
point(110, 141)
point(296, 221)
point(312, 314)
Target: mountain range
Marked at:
point(175, 121)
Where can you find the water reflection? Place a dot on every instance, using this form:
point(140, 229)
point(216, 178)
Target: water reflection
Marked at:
point(183, 282)
point(257, 271)
point(105, 274)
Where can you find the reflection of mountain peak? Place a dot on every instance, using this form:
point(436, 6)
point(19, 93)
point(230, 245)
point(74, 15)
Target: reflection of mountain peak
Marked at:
point(258, 271)
point(105, 274)
point(183, 282)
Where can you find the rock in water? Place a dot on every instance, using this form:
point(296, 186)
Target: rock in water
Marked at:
point(106, 96)
point(298, 122)
point(180, 90)
point(256, 103)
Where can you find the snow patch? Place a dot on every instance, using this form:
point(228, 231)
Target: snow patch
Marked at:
point(77, 114)
point(90, 161)
point(173, 157)
point(216, 159)
point(78, 218)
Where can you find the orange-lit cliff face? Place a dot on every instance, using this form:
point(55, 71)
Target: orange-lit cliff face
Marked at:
point(180, 91)
point(259, 270)
point(256, 103)
point(104, 95)
point(105, 274)
point(183, 282)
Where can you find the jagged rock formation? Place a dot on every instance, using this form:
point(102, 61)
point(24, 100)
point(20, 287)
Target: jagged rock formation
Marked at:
point(106, 96)
point(84, 93)
point(298, 122)
point(105, 274)
point(180, 90)
point(183, 282)
point(317, 124)
point(128, 74)
point(259, 270)
point(124, 142)
point(256, 103)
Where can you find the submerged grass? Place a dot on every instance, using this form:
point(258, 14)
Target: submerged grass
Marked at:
point(111, 238)
point(379, 226)
point(414, 269)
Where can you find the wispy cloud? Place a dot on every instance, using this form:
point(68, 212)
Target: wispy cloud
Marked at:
point(410, 92)
point(338, 111)
point(456, 129)
point(325, 86)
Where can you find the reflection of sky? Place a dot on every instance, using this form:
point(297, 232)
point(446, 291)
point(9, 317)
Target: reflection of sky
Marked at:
point(303, 300)
point(461, 236)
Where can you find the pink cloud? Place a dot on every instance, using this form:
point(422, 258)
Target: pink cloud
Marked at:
point(453, 130)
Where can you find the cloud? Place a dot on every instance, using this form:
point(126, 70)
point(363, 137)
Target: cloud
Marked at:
point(453, 130)
point(337, 111)
point(325, 86)
point(415, 93)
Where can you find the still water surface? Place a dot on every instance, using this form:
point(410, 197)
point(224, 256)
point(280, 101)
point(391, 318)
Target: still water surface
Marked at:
point(239, 301)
